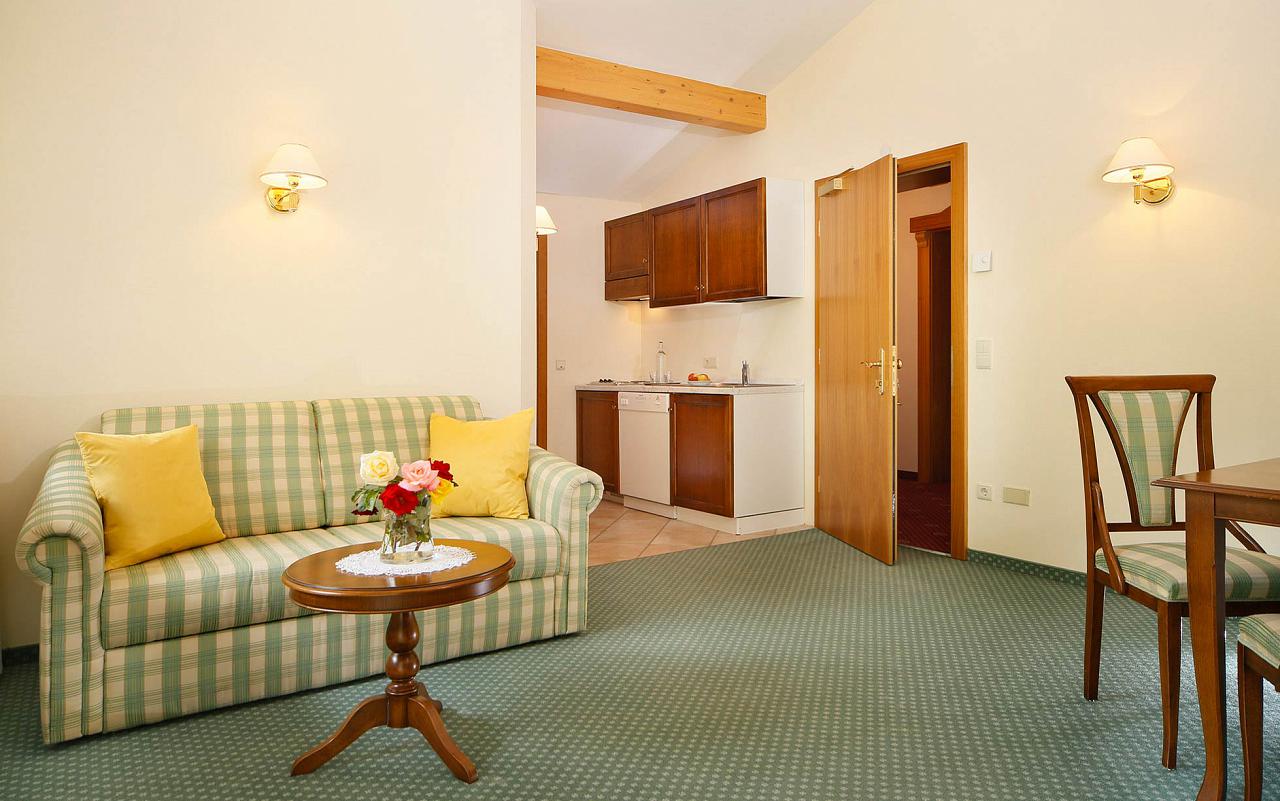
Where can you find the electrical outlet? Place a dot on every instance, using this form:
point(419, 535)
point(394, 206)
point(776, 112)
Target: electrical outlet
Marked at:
point(709, 362)
point(984, 492)
point(560, 365)
point(1018, 495)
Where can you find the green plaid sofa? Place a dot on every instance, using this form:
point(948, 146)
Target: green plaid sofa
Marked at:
point(213, 626)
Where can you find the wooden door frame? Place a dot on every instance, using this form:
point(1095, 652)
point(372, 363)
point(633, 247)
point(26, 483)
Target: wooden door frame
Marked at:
point(957, 157)
point(540, 403)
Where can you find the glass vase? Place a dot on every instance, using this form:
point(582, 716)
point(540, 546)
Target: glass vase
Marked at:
point(407, 538)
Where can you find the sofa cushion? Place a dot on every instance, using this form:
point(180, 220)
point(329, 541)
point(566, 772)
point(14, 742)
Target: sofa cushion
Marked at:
point(349, 427)
point(232, 583)
point(260, 460)
point(236, 582)
point(535, 545)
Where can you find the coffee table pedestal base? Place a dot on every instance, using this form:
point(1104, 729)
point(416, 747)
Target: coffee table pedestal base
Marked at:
point(405, 703)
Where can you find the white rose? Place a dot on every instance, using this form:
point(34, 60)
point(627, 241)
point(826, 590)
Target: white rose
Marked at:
point(378, 467)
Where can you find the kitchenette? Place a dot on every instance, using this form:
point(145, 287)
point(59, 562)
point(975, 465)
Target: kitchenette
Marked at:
point(721, 451)
point(728, 456)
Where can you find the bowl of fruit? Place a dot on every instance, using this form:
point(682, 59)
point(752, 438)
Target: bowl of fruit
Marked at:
point(699, 378)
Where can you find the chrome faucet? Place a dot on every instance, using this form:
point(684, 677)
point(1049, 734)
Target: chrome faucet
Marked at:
point(746, 368)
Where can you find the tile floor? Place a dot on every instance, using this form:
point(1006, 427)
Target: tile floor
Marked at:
point(619, 533)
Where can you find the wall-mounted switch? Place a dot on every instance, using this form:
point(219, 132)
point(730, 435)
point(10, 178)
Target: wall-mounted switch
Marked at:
point(984, 492)
point(982, 262)
point(982, 354)
point(1018, 495)
point(709, 362)
point(560, 364)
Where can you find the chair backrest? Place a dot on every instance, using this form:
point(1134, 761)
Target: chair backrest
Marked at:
point(1144, 416)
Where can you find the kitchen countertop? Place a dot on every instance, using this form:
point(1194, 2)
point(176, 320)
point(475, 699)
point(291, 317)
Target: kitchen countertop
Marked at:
point(763, 388)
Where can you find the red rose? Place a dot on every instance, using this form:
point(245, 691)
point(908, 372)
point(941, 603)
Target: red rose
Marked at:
point(442, 469)
point(398, 500)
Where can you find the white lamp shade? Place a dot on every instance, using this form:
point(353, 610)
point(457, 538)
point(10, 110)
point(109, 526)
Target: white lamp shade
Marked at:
point(542, 222)
point(293, 161)
point(1140, 153)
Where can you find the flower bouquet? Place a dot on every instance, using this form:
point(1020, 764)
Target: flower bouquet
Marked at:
point(404, 494)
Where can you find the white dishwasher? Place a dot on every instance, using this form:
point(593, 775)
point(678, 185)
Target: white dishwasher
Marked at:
point(644, 445)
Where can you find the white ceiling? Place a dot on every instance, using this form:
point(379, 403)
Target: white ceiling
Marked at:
point(749, 44)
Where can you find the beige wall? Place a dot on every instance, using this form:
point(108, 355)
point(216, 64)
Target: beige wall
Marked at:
point(1084, 282)
point(139, 264)
point(915, 203)
point(594, 338)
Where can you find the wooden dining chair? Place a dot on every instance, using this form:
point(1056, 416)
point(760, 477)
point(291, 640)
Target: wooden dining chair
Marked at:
point(1144, 417)
point(1259, 658)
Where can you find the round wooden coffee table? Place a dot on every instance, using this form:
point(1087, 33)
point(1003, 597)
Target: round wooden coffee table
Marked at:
point(315, 583)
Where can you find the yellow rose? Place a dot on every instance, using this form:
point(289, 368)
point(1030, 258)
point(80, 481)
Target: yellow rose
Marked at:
point(378, 467)
point(442, 490)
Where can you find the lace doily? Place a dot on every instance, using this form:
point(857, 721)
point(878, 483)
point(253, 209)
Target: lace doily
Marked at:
point(367, 563)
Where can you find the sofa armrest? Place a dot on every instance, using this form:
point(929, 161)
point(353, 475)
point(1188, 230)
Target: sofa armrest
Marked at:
point(560, 492)
point(563, 494)
point(64, 507)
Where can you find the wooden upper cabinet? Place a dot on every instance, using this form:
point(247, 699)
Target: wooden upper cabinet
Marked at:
point(737, 243)
point(702, 452)
point(626, 247)
point(598, 435)
point(675, 275)
point(733, 261)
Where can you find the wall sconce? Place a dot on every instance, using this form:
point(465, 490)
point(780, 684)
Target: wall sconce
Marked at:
point(543, 225)
point(1141, 163)
point(292, 168)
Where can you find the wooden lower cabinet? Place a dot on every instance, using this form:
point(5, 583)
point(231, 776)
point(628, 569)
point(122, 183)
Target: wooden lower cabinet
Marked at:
point(702, 453)
point(598, 435)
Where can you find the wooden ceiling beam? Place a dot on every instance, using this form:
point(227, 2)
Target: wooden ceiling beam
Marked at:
point(580, 79)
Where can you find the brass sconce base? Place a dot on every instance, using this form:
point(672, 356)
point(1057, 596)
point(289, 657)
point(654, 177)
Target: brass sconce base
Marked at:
point(283, 199)
point(1153, 192)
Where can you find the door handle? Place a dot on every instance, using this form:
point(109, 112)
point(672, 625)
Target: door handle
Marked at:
point(878, 364)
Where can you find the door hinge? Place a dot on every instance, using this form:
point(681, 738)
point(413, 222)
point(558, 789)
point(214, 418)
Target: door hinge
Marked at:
point(818, 479)
point(819, 355)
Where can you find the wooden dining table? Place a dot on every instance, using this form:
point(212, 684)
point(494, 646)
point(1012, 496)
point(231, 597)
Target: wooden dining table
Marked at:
point(1247, 493)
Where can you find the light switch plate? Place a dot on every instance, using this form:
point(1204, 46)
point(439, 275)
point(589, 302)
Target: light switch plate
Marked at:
point(560, 365)
point(709, 362)
point(982, 354)
point(982, 261)
point(1018, 495)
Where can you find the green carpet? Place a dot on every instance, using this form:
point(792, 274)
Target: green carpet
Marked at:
point(790, 667)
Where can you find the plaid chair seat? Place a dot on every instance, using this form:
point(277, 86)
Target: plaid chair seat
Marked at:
point(1160, 569)
point(1261, 634)
point(236, 582)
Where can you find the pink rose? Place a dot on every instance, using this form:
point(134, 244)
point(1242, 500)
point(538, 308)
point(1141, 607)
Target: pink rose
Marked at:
point(419, 476)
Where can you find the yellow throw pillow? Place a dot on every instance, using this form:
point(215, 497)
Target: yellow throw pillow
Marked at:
point(153, 495)
point(489, 459)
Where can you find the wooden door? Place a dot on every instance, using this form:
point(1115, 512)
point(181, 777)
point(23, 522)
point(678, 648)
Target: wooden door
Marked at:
point(702, 453)
point(675, 235)
point(856, 378)
point(540, 429)
point(626, 247)
point(933, 286)
point(598, 435)
point(733, 263)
